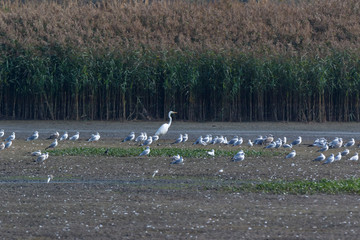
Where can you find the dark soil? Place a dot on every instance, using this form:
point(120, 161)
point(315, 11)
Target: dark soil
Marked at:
point(107, 197)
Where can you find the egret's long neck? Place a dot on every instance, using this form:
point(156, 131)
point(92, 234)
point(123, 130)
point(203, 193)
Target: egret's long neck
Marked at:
point(170, 119)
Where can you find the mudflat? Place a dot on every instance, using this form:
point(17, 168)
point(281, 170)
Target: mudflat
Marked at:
point(133, 197)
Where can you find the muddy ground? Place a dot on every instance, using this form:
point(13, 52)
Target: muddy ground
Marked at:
point(107, 197)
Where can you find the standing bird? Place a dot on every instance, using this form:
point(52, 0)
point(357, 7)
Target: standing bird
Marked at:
point(8, 144)
point(292, 154)
point(2, 133)
point(34, 136)
point(324, 147)
point(145, 152)
point(185, 137)
point(53, 144)
point(148, 141)
point(11, 137)
point(130, 137)
point(64, 136)
point(330, 159)
point(54, 135)
point(75, 137)
point(94, 137)
point(338, 157)
point(50, 177)
point(2, 146)
point(179, 139)
point(250, 143)
point(140, 138)
point(165, 127)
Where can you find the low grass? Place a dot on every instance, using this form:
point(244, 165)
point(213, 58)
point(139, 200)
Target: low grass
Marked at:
point(349, 186)
point(161, 152)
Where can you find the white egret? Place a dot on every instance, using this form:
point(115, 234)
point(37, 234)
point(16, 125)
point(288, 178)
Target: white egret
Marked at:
point(94, 137)
point(75, 137)
point(53, 144)
point(145, 152)
point(34, 136)
point(165, 127)
point(292, 154)
point(129, 137)
point(64, 136)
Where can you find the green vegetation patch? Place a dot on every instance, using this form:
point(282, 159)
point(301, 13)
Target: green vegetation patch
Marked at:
point(350, 186)
point(161, 152)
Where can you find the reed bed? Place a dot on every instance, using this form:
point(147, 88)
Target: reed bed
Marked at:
point(210, 61)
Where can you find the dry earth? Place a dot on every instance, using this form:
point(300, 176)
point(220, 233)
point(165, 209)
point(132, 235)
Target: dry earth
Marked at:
point(117, 198)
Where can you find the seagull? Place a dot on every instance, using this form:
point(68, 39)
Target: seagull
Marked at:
point(233, 140)
point(155, 138)
point(336, 143)
point(54, 135)
point(338, 157)
point(239, 156)
point(94, 137)
point(271, 145)
point(345, 152)
point(75, 137)
point(130, 137)
point(145, 152)
point(8, 144)
point(185, 137)
point(238, 142)
point(199, 141)
point(324, 148)
point(53, 144)
point(50, 177)
point(165, 127)
point(284, 140)
point(208, 139)
point(2, 146)
point(11, 137)
point(140, 138)
point(177, 160)
point(250, 143)
point(287, 146)
point(259, 140)
point(297, 141)
point(211, 153)
point(36, 153)
point(155, 172)
point(2, 133)
point(350, 143)
point(330, 159)
point(320, 158)
point(147, 141)
point(292, 154)
point(42, 157)
point(269, 139)
point(64, 136)
point(34, 136)
point(179, 139)
point(355, 157)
